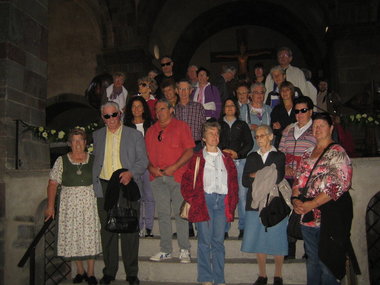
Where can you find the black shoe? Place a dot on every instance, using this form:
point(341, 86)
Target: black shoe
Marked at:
point(289, 257)
point(106, 279)
point(191, 233)
point(241, 234)
point(174, 235)
point(277, 281)
point(261, 281)
point(92, 280)
point(133, 280)
point(148, 233)
point(226, 235)
point(80, 277)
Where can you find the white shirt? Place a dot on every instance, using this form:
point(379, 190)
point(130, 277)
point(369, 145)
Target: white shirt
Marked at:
point(299, 131)
point(121, 99)
point(264, 156)
point(140, 127)
point(215, 173)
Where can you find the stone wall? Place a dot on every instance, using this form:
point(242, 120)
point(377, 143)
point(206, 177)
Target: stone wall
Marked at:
point(23, 72)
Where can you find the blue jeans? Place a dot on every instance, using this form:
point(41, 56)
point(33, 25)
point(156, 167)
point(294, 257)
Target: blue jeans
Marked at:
point(211, 241)
point(317, 271)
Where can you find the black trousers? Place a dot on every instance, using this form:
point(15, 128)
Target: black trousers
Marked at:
point(110, 244)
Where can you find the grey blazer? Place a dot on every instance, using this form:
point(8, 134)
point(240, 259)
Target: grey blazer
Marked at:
point(132, 155)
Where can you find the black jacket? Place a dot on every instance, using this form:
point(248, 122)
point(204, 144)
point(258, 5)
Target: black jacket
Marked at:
point(279, 114)
point(255, 163)
point(237, 138)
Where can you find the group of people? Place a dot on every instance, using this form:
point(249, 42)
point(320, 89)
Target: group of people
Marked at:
point(189, 140)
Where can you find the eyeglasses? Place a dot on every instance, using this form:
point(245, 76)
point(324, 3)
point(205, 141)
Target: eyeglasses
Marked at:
point(113, 115)
point(184, 89)
point(160, 135)
point(258, 92)
point(260, 136)
point(166, 64)
point(303, 110)
point(143, 84)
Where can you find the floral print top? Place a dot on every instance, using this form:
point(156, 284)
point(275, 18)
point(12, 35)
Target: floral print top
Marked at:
point(331, 176)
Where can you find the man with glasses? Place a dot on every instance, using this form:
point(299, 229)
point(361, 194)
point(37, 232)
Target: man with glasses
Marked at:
point(167, 73)
point(296, 139)
point(117, 147)
point(293, 74)
point(169, 146)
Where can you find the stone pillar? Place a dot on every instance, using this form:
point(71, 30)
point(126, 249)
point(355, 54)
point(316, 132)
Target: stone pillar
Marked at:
point(23, 76)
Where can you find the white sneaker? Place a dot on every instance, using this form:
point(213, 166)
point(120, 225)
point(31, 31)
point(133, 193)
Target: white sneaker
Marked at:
point(160, 256)
point(142, 233)
point(184, 256)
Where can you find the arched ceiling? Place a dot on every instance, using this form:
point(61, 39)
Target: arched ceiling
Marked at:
point(260, 13)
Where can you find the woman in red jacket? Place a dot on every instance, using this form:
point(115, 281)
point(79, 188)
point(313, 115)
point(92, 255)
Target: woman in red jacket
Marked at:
point(213, 199)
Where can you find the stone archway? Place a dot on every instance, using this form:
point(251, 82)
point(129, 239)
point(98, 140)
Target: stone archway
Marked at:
point(239, 13)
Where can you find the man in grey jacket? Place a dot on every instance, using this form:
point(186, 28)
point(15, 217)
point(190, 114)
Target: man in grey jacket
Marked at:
point(115, 147)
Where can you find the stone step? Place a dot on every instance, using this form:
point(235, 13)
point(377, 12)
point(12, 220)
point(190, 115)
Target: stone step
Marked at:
point(150, 246)
point(120, 282)
point(237, 271)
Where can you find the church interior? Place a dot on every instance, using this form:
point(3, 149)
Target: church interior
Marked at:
point(52, 51)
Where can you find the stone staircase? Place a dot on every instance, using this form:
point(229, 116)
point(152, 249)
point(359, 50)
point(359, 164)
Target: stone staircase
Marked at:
point(240, 268)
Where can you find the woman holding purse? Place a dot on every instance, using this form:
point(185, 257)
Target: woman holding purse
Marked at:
point(213, 196)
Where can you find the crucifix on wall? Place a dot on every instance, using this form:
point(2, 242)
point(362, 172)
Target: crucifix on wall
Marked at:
point(243, 55)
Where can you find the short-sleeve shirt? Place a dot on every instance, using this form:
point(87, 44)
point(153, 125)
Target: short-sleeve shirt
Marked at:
point(175, 139)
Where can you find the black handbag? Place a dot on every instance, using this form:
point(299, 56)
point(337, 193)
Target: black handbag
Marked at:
point(294, 224)
point(274, 211)
point(122, 220)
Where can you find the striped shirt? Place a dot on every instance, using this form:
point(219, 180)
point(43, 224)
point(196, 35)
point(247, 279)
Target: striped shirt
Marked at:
point(295, 148)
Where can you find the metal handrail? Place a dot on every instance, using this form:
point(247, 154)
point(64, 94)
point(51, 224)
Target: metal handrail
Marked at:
point(31, 252)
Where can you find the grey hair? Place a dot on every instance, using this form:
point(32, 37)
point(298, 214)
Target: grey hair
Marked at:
point(166, 101)
point(277, 68)
point(267, 129)
point(183, 81)
point(210, 125)
point(228, 68)
point(193, 65)
point(307, 73)
point(110, 104)
point(118, 74)
point(288, 50)
point(258, 84)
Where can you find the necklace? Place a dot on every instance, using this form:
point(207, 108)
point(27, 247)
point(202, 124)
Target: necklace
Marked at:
point(79, 167)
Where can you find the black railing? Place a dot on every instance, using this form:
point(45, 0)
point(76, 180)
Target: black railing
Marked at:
point(31, 253)
point(55, 268)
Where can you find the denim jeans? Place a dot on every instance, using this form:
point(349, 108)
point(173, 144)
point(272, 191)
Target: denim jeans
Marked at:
point(211, 250)
point(317, 271)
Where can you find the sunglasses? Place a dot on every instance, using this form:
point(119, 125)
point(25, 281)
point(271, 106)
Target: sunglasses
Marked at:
point(113, 115)
point(143, 84)
point(166, 64)
point(160, 135)
point(303, 111)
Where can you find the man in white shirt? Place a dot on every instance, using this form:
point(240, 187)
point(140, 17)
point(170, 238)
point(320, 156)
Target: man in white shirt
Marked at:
point(293, 74)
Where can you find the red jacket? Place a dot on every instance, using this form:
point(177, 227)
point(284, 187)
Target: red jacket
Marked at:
point(196, 197)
